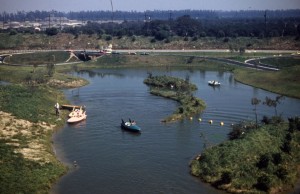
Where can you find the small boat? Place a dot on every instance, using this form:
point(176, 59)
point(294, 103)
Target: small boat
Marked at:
point(214, 83)
point(79, 117)
point(130, 126)
point(76, 111)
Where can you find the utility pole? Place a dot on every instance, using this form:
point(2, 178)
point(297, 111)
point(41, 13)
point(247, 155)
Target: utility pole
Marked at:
point(265, 15)
point(49, 18)
point(170, 16)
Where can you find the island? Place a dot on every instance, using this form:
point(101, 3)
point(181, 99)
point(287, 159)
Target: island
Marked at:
point(179, 90)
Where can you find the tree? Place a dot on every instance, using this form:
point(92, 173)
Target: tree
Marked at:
point(50, 69)
point(255, 102)
point(186, 26)
point(273, 102)
point(51, 31)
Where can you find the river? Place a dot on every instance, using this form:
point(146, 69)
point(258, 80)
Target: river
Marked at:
point(111, 160)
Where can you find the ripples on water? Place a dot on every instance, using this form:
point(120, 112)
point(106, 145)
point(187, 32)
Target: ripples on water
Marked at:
point(111, 160)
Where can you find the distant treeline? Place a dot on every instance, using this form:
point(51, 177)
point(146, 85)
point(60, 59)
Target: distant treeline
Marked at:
point(163, 25)
point(148, 15)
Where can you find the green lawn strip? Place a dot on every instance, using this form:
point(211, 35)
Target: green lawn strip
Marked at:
point(285, 81)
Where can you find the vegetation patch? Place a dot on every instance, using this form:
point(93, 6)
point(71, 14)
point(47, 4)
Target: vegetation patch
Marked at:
point(179, 90)
point(255, 161)
point(27, 122)
point(286, 81)
point(28, 164)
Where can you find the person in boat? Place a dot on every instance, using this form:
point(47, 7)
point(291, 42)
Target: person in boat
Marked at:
point(56, 109)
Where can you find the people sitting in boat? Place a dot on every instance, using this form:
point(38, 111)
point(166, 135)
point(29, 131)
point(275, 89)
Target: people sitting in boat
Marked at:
point(133, 122)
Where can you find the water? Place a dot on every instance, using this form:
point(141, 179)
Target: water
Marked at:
point(111, 160)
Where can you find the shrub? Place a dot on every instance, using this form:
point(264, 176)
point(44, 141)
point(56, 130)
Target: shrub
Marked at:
point(13, 32)
point(286, 147)
point(263, 161)
point(51, 31)
point(277, 158)
point(239, 129)
point(294, 124)
point(108, 38)
point(263, 183)
point(282, 173)
point(226, 39)
point(153, 40)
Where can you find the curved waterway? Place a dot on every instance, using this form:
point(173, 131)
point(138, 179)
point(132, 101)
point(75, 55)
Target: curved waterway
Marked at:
point(111, 160)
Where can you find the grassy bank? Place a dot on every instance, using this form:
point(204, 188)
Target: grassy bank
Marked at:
point(27, 122)
point(286, 81)
point(179, 90)
point(28, 164)
point(258, 161)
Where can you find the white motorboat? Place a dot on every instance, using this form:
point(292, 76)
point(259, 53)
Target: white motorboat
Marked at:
point(214, 83)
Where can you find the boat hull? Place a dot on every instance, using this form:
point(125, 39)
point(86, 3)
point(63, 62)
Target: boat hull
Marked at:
point(132, 128)
point(76, 119)
point(214, 83)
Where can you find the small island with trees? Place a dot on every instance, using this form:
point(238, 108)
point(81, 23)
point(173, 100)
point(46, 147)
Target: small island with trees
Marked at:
point(179, 90)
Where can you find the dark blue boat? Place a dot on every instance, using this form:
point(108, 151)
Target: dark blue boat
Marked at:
point(130, 126)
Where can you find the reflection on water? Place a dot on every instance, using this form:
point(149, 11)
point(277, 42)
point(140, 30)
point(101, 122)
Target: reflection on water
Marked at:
point(156, 161)
point(4, 83)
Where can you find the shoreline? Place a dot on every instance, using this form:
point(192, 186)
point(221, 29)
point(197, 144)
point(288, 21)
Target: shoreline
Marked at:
point(76, 85)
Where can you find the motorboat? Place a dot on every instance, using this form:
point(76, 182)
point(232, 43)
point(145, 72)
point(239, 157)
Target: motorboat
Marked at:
point(76, 111)
point(130, 126)
point(79, 117)
point(214, 83)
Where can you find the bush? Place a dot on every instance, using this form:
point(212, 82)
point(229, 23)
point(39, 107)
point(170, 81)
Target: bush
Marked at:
point(153, 40)
point(277, 158)
point(263, 161)
point(226, 39)
point(108, 38)
point(51, 31)
point(263, 183)
point(294, 124)
point(286, 147)
point(282, 173)
point(238, 130)
point(133, 38)
point(13, 32)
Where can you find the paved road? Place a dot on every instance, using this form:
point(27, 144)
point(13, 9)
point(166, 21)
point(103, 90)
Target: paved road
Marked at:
point(251, 63)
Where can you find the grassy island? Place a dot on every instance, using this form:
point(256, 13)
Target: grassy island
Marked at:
point(263, 160)
point(179, 90)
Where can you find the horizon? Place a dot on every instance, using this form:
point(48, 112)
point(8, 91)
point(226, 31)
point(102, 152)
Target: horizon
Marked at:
point(13, 6)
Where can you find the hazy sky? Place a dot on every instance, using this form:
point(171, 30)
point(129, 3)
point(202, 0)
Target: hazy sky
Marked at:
point(143, 5)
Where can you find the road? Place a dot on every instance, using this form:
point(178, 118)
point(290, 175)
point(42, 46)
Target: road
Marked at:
point(251, 63)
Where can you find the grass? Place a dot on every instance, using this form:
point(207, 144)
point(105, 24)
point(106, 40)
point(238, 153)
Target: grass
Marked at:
point(32, 101)
point(32, 104)
point(286, 81)
point(179, 90)
point(258, 162)
point(38, 58)
point(17, 173)
point(282, 62)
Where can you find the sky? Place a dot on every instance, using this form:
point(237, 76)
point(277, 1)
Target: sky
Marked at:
point(12, 6)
